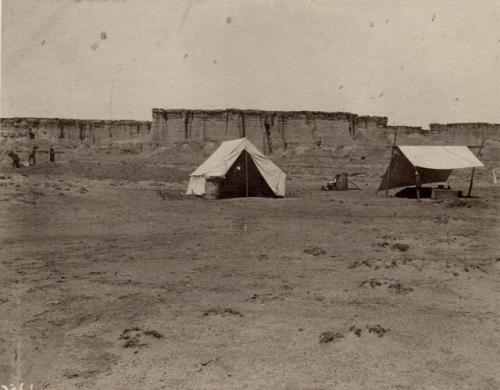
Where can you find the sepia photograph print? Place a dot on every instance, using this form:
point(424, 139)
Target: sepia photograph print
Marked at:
point(250, 194)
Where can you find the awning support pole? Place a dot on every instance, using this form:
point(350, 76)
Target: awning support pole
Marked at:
point(417, 182)
point(388, 177)
point(246, 173)
point(473, 171)
point(471, 182)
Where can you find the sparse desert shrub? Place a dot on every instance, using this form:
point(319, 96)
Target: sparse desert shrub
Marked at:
point(328, 337)
point(458, 203)
point(131, 342)
point(377, 329)
point(228, 310)
point(154, 333)
point(315, 251)
point(400, 247)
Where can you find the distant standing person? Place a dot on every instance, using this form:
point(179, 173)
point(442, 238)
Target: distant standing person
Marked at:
point(16, 162)
point(52, 155)
point(32, 156)
point(31, 134)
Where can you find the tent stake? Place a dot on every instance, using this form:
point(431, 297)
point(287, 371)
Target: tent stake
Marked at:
point(246, 173)
point(388, 177)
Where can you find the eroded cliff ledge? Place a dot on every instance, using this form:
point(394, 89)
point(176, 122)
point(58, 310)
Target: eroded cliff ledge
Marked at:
point(281, 131)
point(73, 132)
point(274, 132)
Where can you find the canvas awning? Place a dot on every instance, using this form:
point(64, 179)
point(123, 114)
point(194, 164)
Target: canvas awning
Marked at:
point(219, 163)
point(433, 163)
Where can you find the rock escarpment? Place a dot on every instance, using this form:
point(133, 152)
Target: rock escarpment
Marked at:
point(271, 131)
point(328, 134)
point(276, 132)
point(71, 132)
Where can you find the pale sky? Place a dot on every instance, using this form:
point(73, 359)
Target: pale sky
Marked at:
point(415, 61)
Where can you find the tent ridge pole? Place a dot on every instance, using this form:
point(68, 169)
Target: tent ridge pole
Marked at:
point(246, 173)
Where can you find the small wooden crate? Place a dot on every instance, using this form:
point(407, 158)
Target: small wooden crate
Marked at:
point(212, 189)
point(341, 182)
point(438, 193)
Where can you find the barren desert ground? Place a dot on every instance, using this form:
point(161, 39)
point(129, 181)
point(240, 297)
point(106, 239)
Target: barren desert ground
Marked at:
point(112, 279)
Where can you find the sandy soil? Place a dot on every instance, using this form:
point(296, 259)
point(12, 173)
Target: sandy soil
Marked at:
point(120, 282)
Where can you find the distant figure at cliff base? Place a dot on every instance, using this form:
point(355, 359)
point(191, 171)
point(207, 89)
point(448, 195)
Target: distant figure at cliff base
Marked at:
point(16, 162)
point(32, 156)
point(52, 155)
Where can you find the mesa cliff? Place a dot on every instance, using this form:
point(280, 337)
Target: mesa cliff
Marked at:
point(277, 132)
point(274, 132)
point(71, 133)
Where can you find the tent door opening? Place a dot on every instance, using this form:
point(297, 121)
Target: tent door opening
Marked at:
point(244, 179)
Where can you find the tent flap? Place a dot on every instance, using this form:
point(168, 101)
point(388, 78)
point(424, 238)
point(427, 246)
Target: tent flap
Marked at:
point(196, 185)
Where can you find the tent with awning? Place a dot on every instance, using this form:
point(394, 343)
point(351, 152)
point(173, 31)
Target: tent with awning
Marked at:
point(239, 169)
point(433, 164)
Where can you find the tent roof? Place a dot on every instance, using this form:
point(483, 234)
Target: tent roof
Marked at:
point(440, 157)
point(223, 158)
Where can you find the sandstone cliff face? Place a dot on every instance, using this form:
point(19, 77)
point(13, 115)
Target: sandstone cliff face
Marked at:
point(71, 132)
point(275, 132)
point(321, 134)
point(271, 131)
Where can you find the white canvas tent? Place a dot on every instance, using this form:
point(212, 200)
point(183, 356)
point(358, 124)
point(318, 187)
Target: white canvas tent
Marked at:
point(236, 164)
point(432, 163)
